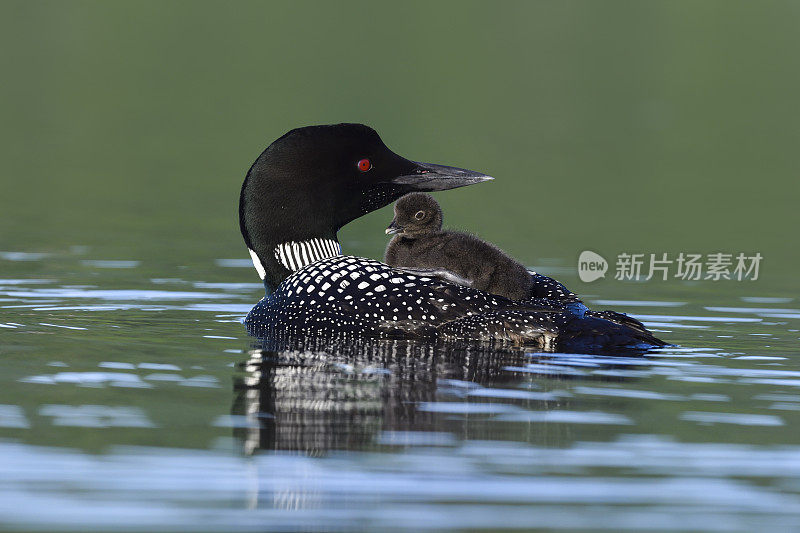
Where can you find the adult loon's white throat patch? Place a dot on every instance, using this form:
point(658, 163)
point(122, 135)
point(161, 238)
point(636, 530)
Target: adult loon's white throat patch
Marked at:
point(295, 255)
point(257, 263)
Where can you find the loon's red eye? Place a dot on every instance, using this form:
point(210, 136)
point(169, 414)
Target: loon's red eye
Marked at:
point(364, 165)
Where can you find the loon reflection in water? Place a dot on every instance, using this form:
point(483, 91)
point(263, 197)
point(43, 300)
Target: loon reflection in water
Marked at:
point(322, 395)
point(312, 181)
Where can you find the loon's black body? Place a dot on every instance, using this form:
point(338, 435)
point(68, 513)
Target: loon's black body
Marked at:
point(309, 183)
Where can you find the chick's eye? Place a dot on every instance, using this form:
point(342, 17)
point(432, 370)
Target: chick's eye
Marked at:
point(364, 165)
point(419, 215)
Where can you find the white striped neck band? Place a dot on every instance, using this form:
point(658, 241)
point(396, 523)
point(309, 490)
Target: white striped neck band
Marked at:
point(295, 255)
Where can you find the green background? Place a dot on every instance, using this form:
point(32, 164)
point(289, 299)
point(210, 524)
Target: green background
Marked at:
point(611, 126)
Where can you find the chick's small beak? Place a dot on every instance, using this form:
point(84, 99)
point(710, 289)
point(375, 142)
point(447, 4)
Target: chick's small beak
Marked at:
point(394, 228)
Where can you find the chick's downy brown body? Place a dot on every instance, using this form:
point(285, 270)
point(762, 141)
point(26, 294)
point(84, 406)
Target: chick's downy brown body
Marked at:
point(421, 243)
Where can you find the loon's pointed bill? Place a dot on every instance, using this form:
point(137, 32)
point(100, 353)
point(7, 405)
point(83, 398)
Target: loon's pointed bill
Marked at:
point(430, 177)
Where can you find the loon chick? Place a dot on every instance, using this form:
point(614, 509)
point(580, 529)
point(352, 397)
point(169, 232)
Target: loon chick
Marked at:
point(420, 242)
point(312, 181)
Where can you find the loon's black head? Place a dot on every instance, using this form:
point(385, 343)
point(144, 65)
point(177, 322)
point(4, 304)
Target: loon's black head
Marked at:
point(416, 214)
point(312, 181)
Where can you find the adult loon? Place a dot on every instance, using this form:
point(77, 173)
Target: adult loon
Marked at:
point(312, 181)
point(420, 242)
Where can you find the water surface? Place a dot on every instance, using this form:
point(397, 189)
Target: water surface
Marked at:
point(137, 402)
